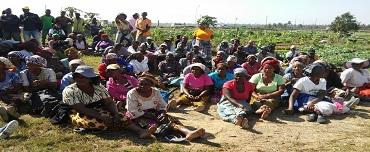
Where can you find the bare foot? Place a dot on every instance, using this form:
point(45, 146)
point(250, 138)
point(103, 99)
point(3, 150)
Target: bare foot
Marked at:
point(261, 109)
point(195, 134)
point(239, 121)
point(199, 108)
point(266, 113)
point(149, 132)
point(245, 124)
point(171, 104)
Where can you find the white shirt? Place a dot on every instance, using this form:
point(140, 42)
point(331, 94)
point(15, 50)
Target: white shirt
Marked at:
point(158, 52)
point(140, 66)
point(136, 103)
point(46, 74)
point(305, 85)
point(131, 50)
point(353, 78)
point(80, 45)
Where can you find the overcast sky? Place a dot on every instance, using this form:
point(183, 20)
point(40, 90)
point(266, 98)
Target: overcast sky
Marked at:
point(226, 11)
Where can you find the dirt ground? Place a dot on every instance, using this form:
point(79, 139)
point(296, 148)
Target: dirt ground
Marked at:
point(349, 132)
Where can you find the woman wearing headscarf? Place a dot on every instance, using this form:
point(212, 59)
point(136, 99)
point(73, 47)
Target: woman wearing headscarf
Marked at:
point(146, 107)
point(10, 86)
point(232, 63)
point(356, 79)
point(197, 85)
point(234, 104)
point(39, 81)
point(268, 87)
point(119, 84)
point(16, 58)
point(110, 58)
point(92, 107)
point(103, 43)
point(251, 65)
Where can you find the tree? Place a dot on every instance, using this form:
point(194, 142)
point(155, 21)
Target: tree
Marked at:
point(207, 20)
point(344, 24)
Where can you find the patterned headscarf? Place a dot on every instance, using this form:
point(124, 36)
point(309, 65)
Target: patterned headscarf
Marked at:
point(36, 59)
point(111, 56)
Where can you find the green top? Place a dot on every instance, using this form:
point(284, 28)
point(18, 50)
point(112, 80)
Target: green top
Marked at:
point(271, 87)
point(47, 22)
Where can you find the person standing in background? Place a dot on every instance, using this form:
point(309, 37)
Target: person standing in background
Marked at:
point(78, 24)
point(47, 23)
point(10, 26)
point(132, 23)
point(143, 28)
point(63, 21)
point(32, 25)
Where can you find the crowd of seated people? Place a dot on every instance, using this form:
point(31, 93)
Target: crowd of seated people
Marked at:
point(131, 88)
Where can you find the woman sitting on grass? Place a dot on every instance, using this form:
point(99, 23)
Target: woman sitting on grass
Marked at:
point(356, 79)
point(10, 85)
point(309, 93)
point(147, 108)
point(92, 107)
point(251, 65)
point(234, 104)
point(71, 53)
point(219, 77)
point(169, 69)
point(197, 85)
point(291, 78)
point(268, 89)
point(119, 84)
point(39, 81)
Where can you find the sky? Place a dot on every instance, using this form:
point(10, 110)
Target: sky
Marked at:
point(226, 11)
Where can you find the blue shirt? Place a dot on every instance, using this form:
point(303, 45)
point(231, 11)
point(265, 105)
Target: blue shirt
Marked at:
point(217, 81)
point(66, 81)
point(234, 67)
point(11, 78)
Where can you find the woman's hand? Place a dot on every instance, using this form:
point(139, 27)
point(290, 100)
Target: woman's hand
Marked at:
point(310, 106)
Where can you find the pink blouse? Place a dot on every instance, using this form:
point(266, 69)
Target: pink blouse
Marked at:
point(119, 91)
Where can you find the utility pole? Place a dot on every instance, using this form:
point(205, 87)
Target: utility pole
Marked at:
point(266, 20)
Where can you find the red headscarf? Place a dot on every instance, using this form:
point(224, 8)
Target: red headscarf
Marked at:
point(274, 63)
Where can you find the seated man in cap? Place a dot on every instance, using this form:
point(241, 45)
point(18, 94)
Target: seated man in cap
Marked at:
point(68, 78)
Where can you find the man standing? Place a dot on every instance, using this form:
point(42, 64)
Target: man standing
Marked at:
point(78, 24)
point(11, 26)
point(47, 23)
point(63, 21)
point(132, 21)
point(32, 25)
point(143, 26)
